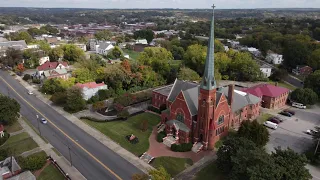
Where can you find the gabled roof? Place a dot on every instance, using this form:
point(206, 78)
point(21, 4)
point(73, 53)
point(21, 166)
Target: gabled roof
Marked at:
point(51, 65)
point(54, 72)
point(104, 45)
point(266, 90)
point(179, 86)
point(191, 97)
point(90, 85)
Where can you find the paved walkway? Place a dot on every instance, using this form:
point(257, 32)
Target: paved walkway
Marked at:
point(88, 113)
point(17, 132)
point(157, 149)
point(64, 164)
point(143, 166)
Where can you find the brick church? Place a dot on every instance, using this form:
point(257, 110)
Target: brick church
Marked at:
point(203, 113)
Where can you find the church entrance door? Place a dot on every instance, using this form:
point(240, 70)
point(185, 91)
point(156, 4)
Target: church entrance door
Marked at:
point(200, 138)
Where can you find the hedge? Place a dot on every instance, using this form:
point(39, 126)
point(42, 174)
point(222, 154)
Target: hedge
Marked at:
point(33, 162)
point(184, 147)
point(160, 136)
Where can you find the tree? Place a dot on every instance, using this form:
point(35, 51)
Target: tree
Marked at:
point(305, 96)
point(159, 174)
point(84, 75)
point(55, 54)
point(177, 52)
point(74, 100)
point(103, 35)
point(218, 46)
point(26, 77)
point(229, 149)
point(255, 132)
point(279, 74)
point(195, 57)
point(9, 110)
point(59, 98)
point(314, 61)
point(49, 29)
point(72, 52)
point(44, 46)
point(188, 74)
point(144, 125)
point(20, 67)
point(124, 114)
point(222, 62)
point(12, 58)
point(312, 81)
point(115, 53)
point(292, 164)
point(144, 34)
point(52, 86)
point(295, 53)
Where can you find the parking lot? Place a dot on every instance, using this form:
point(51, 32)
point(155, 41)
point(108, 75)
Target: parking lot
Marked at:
point(291, 132)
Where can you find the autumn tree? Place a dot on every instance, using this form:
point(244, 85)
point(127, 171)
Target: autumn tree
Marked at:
point(20, 67)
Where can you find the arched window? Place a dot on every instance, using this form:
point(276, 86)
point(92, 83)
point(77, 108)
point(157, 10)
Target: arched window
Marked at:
point(221, 119)
point(180, 117)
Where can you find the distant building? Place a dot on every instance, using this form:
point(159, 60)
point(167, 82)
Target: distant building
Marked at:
point(254, 51)
point(302, 70)
point(142, 41)
point(50, 66)
point(9, 168)
point(20, 45)
point(226, 48)
point(55, 73)
point(82, 46)
point(274, 58)
point(43, 60)
point(90, 89)
point(266, 70)
point(273, 96)
point(104, 48)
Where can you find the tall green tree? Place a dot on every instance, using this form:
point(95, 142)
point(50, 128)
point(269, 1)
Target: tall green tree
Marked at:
point(159, 174)
point(74, 101)
point(314, 60)
point(195, 57)
point(115, 53)
point(218, 46)
point(255, 132)
point(9, 110)
point(305, 96)
point(144, 34)
point(188, 74)
point(103, 35)
point(72, 52)
point(312, 81)
point(13, 57)
point(296, 53)
point(56, 53)
point(44, 46)
point(84, 75)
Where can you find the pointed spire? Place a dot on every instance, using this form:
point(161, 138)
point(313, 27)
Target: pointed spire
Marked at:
point(208, 81)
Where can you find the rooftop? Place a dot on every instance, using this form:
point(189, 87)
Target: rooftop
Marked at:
point(164, 90)
point(90, 85)
point(51, 65)
point(266, 90)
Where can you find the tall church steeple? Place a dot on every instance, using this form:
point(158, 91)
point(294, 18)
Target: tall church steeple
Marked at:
point(208, 81)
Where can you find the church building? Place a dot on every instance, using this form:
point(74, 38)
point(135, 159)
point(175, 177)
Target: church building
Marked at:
point(203, 113)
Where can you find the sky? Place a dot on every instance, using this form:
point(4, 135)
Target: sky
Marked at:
point(182, 4)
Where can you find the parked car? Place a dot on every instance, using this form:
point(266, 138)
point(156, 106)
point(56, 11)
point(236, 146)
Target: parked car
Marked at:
point(274, 120)
point(311, 131)
point(271, 125)
point(30, 92)
point(298, 105)
point(285, 113)
point(44, 121)
point(279, 118)
point(290, 111)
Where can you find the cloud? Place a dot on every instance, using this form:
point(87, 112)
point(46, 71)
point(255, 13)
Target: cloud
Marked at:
point(221, 4)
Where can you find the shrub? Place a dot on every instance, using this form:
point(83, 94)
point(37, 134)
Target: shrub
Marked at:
point(154, 109)
point(59, 98)
point(33, 162)
point(93, 99)
point(184, 147)
point(98, 105)
point(26, 77)
point(124, 114)
point(104, 94)
point(160, 136)
point(144, 125)
point(4, 138)
point(36, 81)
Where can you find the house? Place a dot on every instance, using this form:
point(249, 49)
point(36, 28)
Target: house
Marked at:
point(273, 96)
point(42, 60)
point(93, 43)
point(302, 70)
point(142, 41)
point(90, 89)
point(51, 65)
point(274, 58)
point(9, 168)
point(56, 73)
point(82, 46)
point(203, 113)
point(20, 45)
point(226, 48)
point(104, 48)
point(254, 51)
point(26, 175)
point(266, 70)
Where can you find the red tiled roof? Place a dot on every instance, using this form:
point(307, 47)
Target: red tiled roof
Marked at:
point(266, 90)
point(50, 65)
point(90, 85)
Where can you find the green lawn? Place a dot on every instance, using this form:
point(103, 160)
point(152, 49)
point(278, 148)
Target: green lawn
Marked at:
point(285, 85)
point(14, 127)
point(117, 130)
point(20, 143)
point(264, 117)
point(210, 172)
point(50, 173)
point(173, 165)
point(132, 54)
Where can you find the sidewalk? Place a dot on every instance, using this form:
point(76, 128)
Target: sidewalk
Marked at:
point(143, 166)
point(64, 164)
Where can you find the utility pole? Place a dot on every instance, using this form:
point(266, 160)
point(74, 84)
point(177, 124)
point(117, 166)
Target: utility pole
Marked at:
point(38, 124)
point(317, 147)
point(70, 155)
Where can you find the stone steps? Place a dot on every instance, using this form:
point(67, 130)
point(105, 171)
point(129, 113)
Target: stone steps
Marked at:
point(197, 147)
point(168, 141)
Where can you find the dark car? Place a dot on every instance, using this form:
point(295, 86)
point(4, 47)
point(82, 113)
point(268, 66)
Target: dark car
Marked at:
point(274, 120)
point(290, 111)
point(285, 113)
point(278, 118)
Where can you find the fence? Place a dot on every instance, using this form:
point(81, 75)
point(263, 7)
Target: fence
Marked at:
point(66, 175)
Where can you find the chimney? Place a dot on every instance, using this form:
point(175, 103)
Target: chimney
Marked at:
point(276, 83)
point(230, 94)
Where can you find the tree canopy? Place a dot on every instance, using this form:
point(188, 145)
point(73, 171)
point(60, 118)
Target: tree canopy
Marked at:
point(144, 34)
point(13, 57)
point(305, 96)
point(103, 35)
point(9, 110)
point(74, 100)
point(255, 132)
point(188, 74)
point(312, 81)
point(72, 52)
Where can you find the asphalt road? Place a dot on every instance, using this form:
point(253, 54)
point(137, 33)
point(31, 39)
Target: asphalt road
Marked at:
point(94, 160)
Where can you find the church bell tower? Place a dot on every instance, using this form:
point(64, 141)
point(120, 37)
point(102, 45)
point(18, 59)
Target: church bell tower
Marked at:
point(207, 94)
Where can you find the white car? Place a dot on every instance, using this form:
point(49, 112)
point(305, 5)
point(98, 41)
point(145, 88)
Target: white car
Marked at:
point(30, 92)
point(44, 121)
point(311, 131)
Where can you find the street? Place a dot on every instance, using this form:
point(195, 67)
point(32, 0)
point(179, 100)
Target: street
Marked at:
point(89, 156)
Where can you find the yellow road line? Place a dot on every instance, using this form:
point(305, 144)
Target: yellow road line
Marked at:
point(97, 160)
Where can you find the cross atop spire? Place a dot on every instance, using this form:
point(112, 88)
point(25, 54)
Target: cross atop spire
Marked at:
point(208, 81)
point(213, 6)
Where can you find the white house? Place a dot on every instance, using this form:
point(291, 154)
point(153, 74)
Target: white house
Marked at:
point(90, 89)
point(254, 51)
point(82, 46)
point(274, 58)
point(226, 48)
point(104, 48)
point(51, 65)
point(266, 70)
point(43, 60)
point(142, 41)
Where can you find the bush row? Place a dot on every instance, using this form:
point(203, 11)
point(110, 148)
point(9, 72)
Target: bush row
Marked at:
point(184, 147)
